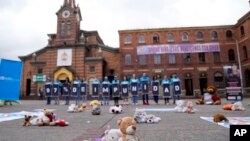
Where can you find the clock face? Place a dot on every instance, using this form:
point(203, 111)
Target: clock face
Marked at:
point(66, 13)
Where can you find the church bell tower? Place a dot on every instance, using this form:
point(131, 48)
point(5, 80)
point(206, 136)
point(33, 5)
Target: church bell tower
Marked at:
point(68, 23)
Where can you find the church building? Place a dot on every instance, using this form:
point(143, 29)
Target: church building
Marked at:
point(71, 52)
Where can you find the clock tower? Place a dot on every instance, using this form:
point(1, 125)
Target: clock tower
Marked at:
point(68, 24)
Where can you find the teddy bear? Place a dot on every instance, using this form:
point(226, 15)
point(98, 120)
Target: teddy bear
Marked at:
point(152, 119)
point(127, 127)
point(189, 107)
point(143, 117)
point(46, 118)
point(95, 103)
point(210, 97)
point(180, 106)
point(117, 109)
point(140, 116)
point(74, 108)
point(26, 121)
point(219, 118)
point(112, 135)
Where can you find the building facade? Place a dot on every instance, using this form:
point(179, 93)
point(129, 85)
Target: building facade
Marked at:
point(197, 55)
point(71, 52)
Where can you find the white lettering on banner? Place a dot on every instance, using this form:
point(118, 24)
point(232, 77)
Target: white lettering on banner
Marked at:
point(133, 88)
point(177, 88)
point(115, 89)
point(74, 89)
point(155, 88)
point(48, 90)
point(178, 48)
point(55, 90)
point(83, 89)
point(124, 90)
point(166, 90)
point(105, 89)
point(239, 132)
point(65, 89)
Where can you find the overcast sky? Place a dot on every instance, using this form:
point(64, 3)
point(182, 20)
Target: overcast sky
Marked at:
point(24, 24)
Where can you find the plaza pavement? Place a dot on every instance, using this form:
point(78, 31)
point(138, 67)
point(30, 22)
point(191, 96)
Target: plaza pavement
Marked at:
point(85, 126)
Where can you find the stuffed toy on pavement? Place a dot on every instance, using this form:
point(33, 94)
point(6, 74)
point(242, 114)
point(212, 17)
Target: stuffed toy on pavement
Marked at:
point(95, 107)
point(73, 108)
point(180, 106)
point(128, 127)
point(210, 97)
point(117, 109)
point(237, 106)
point(189, 107)
point(46, 118)
point(219, 118)
point(152, 119)
point(111, 135)
point(143, 117)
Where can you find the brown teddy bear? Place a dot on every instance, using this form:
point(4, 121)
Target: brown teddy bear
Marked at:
point(128, 128)
point(214, 99)
point(219, 118)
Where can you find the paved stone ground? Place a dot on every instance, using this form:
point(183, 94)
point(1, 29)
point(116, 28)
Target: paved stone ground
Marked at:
point(85, 126)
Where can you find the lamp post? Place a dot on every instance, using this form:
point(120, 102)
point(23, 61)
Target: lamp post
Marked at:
point(239, 62)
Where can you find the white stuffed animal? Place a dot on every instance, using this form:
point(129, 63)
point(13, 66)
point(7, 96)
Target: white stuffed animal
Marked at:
point(180, 106)
point(152, 119)
point(237, 106)
point(112, 135)
point(74, 108)
point(140, 116)
point(117, 109)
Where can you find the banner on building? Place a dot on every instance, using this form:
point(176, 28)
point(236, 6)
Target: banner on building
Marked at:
point(10, 79)
point(64, 57)
point(178, 48)
point(233, 82)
